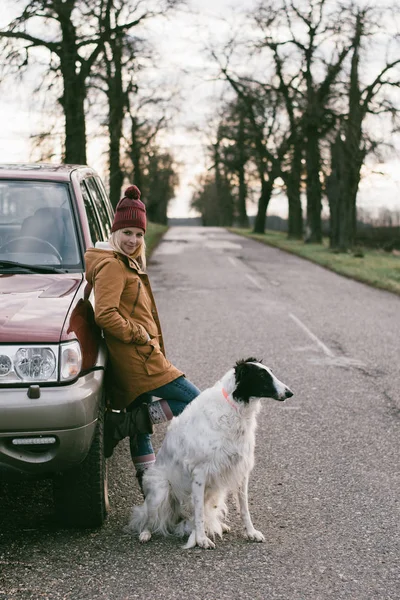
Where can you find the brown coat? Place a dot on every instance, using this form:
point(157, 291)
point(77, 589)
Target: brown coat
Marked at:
point(126, 312)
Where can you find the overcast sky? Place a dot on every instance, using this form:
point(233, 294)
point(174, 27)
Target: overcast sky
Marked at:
point(180, 41)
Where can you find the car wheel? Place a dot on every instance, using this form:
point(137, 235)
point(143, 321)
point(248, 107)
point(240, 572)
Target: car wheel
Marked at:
point(81, 494)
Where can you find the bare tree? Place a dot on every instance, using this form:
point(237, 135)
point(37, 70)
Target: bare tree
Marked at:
point(270, 140)
point(159, 185)
point(122, 61)
point(303, 29)
point(76, 32)
point(209, 196)
point(295, 102)
point(148, 114)
point(352, 144)
point(71, 56)
point(144, 161)
point(292, 169)
point(236, 152)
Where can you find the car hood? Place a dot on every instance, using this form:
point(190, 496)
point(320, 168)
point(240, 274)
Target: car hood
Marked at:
point(33, 307)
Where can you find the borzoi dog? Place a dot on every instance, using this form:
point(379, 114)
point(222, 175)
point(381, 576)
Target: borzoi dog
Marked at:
point(207, 453)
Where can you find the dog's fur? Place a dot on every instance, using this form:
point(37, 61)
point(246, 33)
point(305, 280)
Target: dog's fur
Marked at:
point(207, 453)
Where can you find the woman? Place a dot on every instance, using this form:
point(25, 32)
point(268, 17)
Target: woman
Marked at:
point(126, 312)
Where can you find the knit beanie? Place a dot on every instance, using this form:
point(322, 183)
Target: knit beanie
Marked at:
point(130, 211)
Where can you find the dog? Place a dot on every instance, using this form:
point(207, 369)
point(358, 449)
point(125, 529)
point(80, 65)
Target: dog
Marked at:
point(207, 453)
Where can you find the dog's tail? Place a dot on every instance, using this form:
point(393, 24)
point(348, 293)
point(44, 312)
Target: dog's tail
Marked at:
point(160, 511)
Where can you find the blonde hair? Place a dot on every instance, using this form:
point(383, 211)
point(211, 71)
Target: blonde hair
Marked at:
point(140, 251)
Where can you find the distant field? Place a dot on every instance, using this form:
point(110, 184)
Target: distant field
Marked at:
point(376, 268)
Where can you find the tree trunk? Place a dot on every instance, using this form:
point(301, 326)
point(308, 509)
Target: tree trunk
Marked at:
point(355, 148)
point(347, 158)
point(334, 191)
point(116, 104)
point(116, 175)
point(293, 182)
point(342, 187)
point(135, 154)
point(242, 214)
point(74, 95)
point(243, 219)
point(314, 188)
point(224, 198)
point(265, 197)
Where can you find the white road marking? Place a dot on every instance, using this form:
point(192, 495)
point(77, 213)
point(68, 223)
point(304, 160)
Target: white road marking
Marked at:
point(173, 247)
point(233, 261)
point(339, 361)
point(254, 281)
point(222, 244)
point(311, 335)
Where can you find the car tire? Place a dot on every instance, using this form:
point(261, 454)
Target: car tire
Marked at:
point(81, 494)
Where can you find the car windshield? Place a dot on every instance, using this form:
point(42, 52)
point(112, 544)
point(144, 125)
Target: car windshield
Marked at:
point(37, 225)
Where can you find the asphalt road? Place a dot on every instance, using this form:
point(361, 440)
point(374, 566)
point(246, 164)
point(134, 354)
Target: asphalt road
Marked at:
point(325, 487)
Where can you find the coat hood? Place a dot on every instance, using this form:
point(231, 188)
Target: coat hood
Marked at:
point(96, 255)
point(102, 251)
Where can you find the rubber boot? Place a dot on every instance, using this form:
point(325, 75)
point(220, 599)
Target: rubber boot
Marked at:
point(119, 425)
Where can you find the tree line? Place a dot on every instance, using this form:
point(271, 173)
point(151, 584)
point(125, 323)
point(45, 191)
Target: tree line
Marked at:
point(308, 85)
point(93, 55)
point(311, 83)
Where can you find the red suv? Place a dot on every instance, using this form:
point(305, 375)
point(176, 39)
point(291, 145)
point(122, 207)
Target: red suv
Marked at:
point(52, 355)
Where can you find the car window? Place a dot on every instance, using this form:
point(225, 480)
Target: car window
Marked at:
point(94, 226)
point(36, 223)
point(100, 207)
point(106, 202)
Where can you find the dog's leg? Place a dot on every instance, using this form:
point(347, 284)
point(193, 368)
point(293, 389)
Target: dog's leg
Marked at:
point(198, 536)
point(251, 532)
point(215, 513)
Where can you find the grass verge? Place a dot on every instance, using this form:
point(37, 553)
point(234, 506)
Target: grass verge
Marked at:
point(154, 233)
point(376, 267)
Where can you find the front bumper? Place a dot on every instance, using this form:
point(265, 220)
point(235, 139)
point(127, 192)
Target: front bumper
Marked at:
point(64, 416)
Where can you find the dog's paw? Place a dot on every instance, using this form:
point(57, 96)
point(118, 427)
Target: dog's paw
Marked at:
point(205, 542)
point(145, 536)
point(200, 541)
point(255, 536)
point(225, 528)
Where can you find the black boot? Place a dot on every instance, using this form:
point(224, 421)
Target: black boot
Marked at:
point(119, 425)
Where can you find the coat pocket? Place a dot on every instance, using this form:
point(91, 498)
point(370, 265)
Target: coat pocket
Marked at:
point(153, 359)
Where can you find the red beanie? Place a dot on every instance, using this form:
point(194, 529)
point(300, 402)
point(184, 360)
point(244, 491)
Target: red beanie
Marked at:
point(130, 211)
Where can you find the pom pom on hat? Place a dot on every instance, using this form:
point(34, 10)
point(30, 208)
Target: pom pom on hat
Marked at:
point(132, 192)
point(130, 211)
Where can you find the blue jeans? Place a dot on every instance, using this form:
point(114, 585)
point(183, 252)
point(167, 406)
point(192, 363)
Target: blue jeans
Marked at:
point(177, 394)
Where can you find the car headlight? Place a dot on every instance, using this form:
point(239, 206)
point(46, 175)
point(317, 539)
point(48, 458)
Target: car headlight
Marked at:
point(35, 364)
point(70, 360)
point(50, 363)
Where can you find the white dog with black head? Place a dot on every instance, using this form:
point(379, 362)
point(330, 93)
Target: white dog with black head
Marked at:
point(207, 453)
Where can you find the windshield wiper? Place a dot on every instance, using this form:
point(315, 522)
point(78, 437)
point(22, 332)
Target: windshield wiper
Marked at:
point(10, 264)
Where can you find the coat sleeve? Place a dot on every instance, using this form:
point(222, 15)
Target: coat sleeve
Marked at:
point(109, 283)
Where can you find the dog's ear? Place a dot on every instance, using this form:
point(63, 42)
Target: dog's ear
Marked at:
point(240, 366)
point(239, 369)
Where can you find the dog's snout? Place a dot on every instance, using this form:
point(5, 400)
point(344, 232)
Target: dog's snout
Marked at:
point(288, 393)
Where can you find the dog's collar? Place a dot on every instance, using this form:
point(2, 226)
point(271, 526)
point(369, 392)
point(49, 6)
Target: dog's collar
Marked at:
point(229, 401)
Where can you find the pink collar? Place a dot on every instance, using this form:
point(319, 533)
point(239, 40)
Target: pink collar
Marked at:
point(229, 401)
